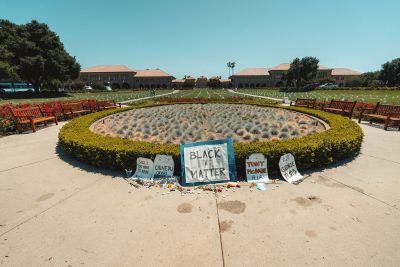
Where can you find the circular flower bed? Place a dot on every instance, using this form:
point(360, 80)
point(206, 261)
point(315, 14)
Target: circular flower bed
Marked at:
point(189, 123)
point(320, 149)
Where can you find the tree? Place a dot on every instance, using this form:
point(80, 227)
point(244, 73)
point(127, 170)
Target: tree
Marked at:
point(231, 65)
point(189, 83)
point(33, 53)
point(214, 82)
point(370, 78)
point(390, 73)
point(302, 71)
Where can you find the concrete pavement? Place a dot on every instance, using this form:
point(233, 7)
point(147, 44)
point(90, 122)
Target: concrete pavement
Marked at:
point(56, 211)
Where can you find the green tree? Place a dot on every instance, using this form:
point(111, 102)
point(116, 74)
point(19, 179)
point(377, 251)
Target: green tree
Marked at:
point(369, 78)
point(390, 73)
point(214, 82)
point(302, 71)
point(33, 53)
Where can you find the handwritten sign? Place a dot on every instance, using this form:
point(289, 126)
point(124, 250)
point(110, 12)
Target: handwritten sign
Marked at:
point(288, 168)
point(144, 169)
point(208, 162)
point(163, 166)
point(256, 168)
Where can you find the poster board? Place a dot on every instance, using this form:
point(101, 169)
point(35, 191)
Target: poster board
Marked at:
point(287, 166)
point(144, 169)
point(208, 162)
point(163, 166)
point(256, 168)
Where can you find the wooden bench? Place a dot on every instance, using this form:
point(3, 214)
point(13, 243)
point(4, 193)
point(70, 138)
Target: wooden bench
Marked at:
point(71, 110)
point(389, 114)
point(344, 108)
point(107, 104)
point(304, 102)
point(31, 116)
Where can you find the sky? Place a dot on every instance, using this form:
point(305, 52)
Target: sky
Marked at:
point(200, 37)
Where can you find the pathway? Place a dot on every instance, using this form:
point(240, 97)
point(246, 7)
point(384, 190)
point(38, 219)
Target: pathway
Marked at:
point(56, 211)
point(148, 97)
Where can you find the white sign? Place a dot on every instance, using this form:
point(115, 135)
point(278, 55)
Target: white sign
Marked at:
point(288, 168)
point(163, 166)
point(144, 169)
point(256, 168)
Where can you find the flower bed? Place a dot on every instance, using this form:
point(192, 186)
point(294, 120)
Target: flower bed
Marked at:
point(341, 141)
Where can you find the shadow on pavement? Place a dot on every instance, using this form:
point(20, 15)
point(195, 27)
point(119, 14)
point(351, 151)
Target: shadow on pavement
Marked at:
point(86, 167)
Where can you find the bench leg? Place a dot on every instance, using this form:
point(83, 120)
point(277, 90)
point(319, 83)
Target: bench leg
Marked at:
point(386, 124)
point(33, 126)
point(19, 128)
point(55, 120)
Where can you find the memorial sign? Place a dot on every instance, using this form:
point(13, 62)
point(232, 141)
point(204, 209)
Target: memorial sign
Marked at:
point(163, 166)
point(144, 169)
point(256, 168)
point(288, 168)
point(208, 162)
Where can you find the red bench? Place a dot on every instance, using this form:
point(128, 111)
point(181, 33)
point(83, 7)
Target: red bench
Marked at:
point(71, 110)
point(304, 102)
point(107, 104)
point(31, 116)
point(389, 114)
point(344, 108)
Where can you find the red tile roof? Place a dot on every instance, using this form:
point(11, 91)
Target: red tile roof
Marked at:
point(286, 66)
point(110, 68)
point(151, 73)
point(253, 72)
point(344, 72)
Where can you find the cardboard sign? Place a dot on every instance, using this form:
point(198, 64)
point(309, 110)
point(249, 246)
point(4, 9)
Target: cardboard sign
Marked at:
point(144, 169)
point(208, 162)
point(288, 168)
point(163, 166)
point(256, 168)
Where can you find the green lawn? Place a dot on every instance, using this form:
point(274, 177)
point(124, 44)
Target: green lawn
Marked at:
point(371, 96)
point(117, 96)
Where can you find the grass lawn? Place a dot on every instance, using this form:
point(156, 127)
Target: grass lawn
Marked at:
point(203, 93)
point(117, 96)
point(371, 96)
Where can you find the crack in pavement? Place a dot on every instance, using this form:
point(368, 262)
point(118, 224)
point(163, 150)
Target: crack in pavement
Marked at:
point(28, 164)
point(52, 206)
point(375, 157)
point(219, 231)
point(368, 195)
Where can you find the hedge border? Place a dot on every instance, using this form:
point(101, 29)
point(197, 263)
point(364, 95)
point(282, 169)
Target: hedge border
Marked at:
point(343, 140)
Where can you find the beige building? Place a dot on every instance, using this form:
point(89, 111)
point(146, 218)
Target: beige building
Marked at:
point(152, 79)
point(343, 76)
point(120, 76)
point(201, 82)
point(270, 77)
point(252, 78)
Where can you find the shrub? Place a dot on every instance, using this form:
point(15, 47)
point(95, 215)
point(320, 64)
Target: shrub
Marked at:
point(341, 141)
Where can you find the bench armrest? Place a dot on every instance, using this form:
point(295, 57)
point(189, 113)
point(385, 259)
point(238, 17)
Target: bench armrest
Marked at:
point(393, 114)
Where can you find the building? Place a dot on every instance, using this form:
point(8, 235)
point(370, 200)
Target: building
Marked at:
point(116, 76)
point(152, 79)
point(201, 82)
point(120, 76)
point(344, 76)
point(271, 77)
point(251, 78)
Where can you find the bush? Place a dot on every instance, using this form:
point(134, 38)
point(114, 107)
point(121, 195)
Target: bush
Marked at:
point(341, 141)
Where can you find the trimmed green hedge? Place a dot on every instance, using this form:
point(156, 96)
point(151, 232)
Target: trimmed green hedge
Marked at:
point(341, 141)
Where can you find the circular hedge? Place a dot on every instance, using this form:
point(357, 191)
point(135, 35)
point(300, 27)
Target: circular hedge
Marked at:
point(342, 140)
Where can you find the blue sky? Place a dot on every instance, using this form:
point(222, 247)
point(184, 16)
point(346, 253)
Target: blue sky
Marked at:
point(200, 37)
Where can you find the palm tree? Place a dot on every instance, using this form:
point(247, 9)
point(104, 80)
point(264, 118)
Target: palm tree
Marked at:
point(229, 65)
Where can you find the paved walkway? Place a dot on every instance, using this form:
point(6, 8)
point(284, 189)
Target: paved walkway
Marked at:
point(55, 211)
point(258, 96)
point(148, 97)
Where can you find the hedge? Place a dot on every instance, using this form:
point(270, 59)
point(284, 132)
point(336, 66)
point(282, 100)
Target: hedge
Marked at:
point(341, 141)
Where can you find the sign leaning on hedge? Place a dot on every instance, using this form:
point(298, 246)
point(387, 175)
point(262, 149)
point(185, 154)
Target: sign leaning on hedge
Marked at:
point(208, 162)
